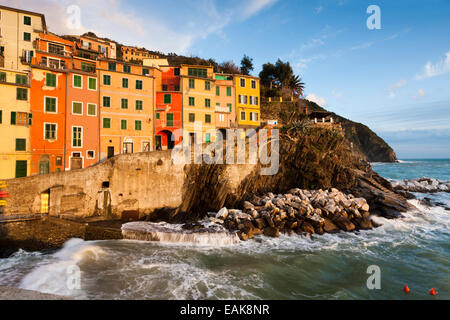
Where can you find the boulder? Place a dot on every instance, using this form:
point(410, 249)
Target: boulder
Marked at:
point(222, 214)
point(260, 223)
point(248, 205)
point(344, 223)
point(271, 232)
point(308, 228)
point(330, 227)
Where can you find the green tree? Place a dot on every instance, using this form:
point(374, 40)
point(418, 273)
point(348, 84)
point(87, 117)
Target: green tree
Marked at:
point(246, 65)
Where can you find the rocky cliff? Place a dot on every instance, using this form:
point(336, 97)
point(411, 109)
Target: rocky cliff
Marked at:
point(365, 141)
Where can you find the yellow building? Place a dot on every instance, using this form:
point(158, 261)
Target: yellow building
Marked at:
point(247, 101)
point(18, 30)
point(199, 100)
point(136, 54)
point(127, 107)
point(15, 121)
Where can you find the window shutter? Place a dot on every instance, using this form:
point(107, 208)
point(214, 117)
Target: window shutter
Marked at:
point(13, 117)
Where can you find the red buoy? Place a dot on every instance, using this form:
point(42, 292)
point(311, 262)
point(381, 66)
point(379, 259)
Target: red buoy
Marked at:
point(406, 288)
point(433, 292)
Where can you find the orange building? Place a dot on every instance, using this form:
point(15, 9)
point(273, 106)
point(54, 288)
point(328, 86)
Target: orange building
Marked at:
point(48, 103)
point(169, 112)
point(91, 45)
point(82, 118)
point(225, 110)
point(127, 106)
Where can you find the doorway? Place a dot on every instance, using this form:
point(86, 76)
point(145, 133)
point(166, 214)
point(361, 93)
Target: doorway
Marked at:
point(44, 203)
point(158, 142)
point(110, 152)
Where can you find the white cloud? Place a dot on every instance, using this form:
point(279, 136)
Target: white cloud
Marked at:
point(420, 94)
point(361, 46)
point(394, 88)
point(255, 6)
point(437, 69)
point(318, 9)
point(314, 98)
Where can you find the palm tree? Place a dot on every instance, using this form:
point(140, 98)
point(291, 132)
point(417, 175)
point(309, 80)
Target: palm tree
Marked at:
point(296, 85)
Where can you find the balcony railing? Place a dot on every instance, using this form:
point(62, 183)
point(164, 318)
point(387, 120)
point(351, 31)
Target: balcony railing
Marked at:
point(60, 65)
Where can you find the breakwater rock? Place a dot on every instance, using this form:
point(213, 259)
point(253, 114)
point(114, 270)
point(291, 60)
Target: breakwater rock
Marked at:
point(298, 211)
point(194, 233)
point(424, 185)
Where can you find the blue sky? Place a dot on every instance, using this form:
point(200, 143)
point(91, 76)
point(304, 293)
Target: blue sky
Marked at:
point(396, 80)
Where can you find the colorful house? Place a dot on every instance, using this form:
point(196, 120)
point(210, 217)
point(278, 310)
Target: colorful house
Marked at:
point(199, 99)
point(18, 31)
point(225, 110)
point(169, 112)
point(127, 107)
point(82, 119)
point(136, 54)
point(48, 103)
point(15, 122)
point(247, 101)
point(88, 45)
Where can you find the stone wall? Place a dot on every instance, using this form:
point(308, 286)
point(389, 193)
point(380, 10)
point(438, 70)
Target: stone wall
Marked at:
point(142, 182)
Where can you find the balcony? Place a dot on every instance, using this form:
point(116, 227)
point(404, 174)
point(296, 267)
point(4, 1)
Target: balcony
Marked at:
point(53, 64)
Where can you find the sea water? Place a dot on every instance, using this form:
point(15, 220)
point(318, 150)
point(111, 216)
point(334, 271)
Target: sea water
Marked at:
point(414, 250)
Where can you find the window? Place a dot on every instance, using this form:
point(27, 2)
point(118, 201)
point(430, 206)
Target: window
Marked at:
point(58, 161)
point(207, 137)
point(229, 106)
point(207, 85)
point(191, 101)
point(207, 103)
point(77, 108)
point(253, 84)
point(201, 73)
point(124, 104)
point(90, 154)
point(191, 83)
point(123, 124)
point(253, 116)
point(50, 104)
point(21, 168)
point(126, 68)
point(243, 99)
point(176, 71)
point(176, 87)
point(191, 117)
point(169, 118)
point(3, 76)
point(21, 144)
point(124, 83)
point(207, 118)
point(21, 79)
point(21, 118)
point(92, 109)
point(158, 116)
point(13, 117)
point(139, 104)
point(26, 36)
point(138, 125)
point(106, 123)
point(1, 116)
point(92, 84)
point(50, 80)
point(77, 136)
point(107, 102)
point(27, 20)
point(217, 91)
point(242, 115)
point(106, 80)
point(87, 67)
point(228, 91)
point(139, 84)
point(111, 66)
point(243, 83)
point(165, 87)
point(77, 81)
point(168, 98)
point(145, 72)
point(50, 131)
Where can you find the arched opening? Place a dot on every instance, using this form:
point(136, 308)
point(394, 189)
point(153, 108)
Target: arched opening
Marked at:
point(164, 140)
